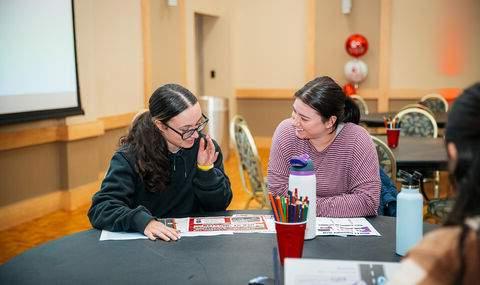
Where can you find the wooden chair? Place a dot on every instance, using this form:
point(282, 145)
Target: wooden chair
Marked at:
point(435, 102)
point(362, 105)
point(417, 122)
point(386, 158)
point(421, 123)
point(416, 105)
point(249, 163)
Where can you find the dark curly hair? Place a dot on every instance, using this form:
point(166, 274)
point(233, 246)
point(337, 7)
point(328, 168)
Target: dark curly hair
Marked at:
point(145, 141)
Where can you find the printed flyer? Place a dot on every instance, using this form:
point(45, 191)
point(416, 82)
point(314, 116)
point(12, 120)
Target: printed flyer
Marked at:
point(244, 223)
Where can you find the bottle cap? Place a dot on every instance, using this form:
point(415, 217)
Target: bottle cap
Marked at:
point(301, 163)
point(410, 179)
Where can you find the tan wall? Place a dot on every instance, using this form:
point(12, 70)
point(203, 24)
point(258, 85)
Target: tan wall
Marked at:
point(41, 169)
point(268, 43)
point(106, 145)
point(29, 172)
point(166, 40)
point(110, 59)
point(333, 28)
point(426, 34)
point(216, 51)
point(173, 54)
point(215, 33)
point(215, 41)
point(397, 104)
point(372, 105)
point(263, 116)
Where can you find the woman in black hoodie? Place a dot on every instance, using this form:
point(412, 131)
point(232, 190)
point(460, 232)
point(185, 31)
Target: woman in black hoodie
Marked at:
point(164, 167)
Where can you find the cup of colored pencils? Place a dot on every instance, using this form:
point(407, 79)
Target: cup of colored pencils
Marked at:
point(290, 212)
point(289, 208)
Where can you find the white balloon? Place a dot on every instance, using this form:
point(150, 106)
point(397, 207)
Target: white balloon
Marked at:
point(356, 70)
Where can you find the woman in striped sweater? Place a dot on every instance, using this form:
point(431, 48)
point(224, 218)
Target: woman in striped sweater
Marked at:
point(343, 154)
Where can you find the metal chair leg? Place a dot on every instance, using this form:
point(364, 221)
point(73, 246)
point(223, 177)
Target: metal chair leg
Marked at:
point(436, 185)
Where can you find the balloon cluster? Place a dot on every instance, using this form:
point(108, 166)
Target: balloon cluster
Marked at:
point(355, 70)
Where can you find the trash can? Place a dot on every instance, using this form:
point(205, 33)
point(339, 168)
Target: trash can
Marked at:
point(216, 109)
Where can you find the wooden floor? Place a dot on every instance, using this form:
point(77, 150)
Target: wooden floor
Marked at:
point(15, 240)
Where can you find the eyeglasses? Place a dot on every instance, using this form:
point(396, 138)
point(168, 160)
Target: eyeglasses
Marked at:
point(187, 134)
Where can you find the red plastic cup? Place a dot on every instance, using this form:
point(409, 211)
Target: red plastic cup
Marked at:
point(290, 237)
point(392, 137)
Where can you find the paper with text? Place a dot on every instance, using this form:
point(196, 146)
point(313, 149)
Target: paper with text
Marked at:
point(208, 226)
point(345, 227)
point(337, 272)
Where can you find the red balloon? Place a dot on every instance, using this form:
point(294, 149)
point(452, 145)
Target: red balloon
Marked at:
point(356, 45)
point(349, 89)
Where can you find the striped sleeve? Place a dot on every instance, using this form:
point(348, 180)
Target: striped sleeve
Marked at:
point(278, 168)
point(362, 195)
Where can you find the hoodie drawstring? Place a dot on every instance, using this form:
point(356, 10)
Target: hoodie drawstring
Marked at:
point(175, 155)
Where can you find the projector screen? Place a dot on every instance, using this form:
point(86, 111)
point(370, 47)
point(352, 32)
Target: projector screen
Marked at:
point(38, 69)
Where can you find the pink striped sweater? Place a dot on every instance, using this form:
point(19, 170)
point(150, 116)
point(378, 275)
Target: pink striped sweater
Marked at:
point(347, 171)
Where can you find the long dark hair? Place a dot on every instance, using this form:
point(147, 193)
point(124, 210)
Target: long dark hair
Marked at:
point(325, 96)
point(145, 141)
point(463, 131)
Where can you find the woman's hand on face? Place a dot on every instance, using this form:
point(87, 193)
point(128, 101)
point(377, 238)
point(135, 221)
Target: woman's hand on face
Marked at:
point(206, 154)
point(156, 229)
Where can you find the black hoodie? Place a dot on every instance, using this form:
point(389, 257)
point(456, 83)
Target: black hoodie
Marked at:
point(123, 203)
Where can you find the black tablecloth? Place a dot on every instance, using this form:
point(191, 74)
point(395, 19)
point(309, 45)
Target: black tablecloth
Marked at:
point(231, 259)
point(420, 153)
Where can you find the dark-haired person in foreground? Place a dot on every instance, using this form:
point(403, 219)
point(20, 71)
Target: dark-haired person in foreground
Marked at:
point(164, 167)
point(451, 255)
point(344, 156)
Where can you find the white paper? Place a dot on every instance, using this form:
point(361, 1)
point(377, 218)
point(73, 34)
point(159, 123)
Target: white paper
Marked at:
point(302, 271)
point(345, 227)
point(107, 235)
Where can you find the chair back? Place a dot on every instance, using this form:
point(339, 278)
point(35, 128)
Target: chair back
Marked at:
point(435, 102)
point(386, 158)
point(249, 162)
point(362, 105)
point(416, 105)
point(416, 122)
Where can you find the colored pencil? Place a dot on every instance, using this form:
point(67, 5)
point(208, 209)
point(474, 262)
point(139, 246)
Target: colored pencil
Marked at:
point(274, 207)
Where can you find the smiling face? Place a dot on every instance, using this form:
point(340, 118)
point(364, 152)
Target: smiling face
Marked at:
point(187, 120)
point(308, 123)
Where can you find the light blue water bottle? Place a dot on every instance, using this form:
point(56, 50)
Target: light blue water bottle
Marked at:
point(409, 212)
